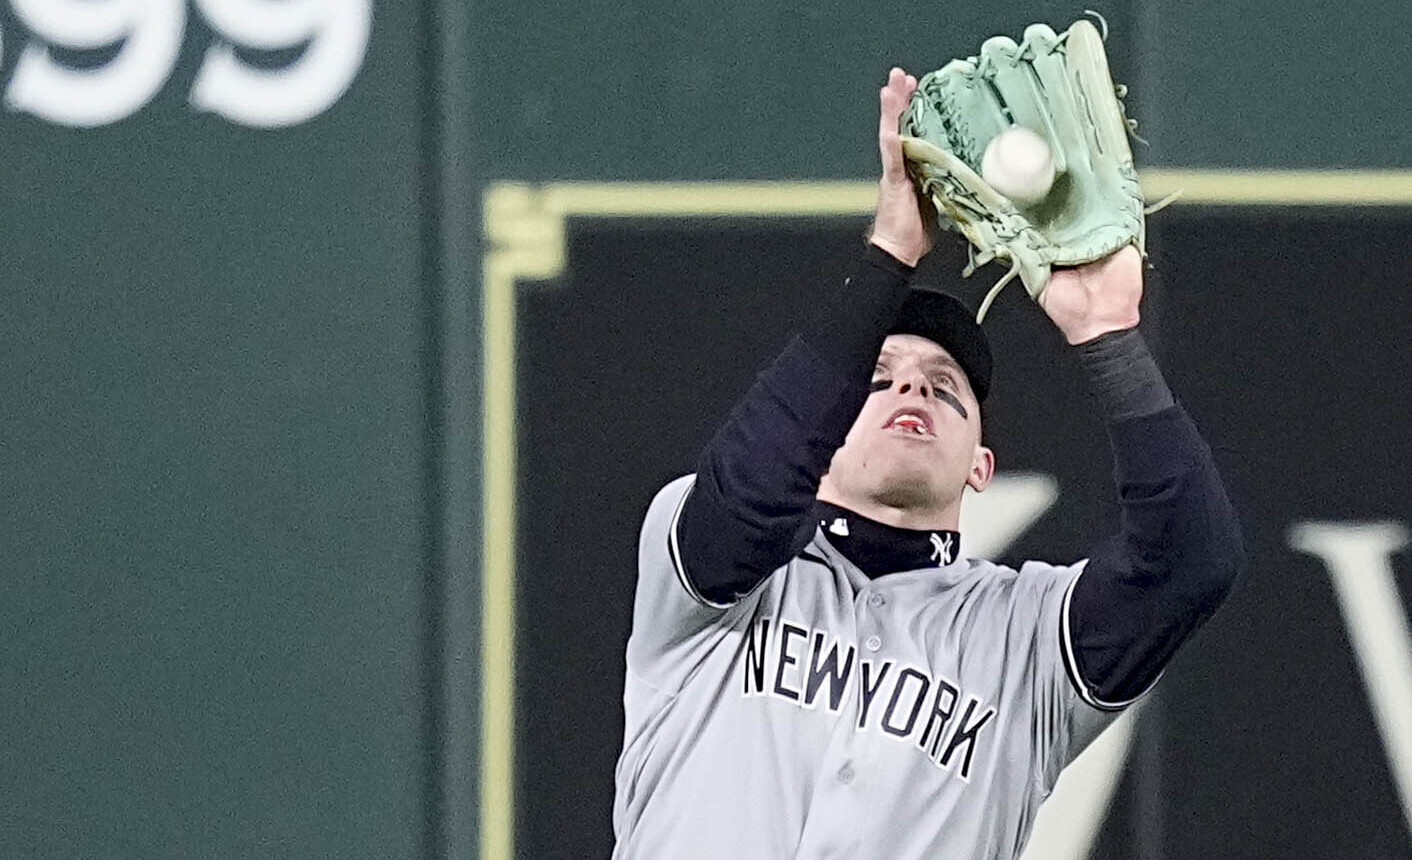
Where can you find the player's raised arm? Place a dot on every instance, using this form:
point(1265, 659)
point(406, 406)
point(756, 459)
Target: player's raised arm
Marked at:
point(1179, 548)
point(748, 510)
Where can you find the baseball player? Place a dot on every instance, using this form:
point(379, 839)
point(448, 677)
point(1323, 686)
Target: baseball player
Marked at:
point(812, 671)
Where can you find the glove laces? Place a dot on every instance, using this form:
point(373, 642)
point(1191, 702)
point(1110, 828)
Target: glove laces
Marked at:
point(995, 290)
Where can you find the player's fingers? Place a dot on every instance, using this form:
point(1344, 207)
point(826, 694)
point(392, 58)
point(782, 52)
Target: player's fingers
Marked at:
point(892, 100)
point(887, 102)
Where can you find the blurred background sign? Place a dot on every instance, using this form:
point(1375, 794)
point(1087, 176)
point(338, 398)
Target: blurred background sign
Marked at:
point(639, 331)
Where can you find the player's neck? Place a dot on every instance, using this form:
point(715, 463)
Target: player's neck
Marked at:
point(877, 549)
point(921, 518)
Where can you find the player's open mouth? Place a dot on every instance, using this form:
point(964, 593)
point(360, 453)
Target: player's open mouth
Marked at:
point(911, 422)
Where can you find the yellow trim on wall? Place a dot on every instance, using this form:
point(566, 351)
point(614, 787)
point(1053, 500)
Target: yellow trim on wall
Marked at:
point(525, 228)
point(1282, 187)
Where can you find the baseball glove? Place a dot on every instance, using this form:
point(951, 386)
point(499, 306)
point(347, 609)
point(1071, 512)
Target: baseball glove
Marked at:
point(1058, 86)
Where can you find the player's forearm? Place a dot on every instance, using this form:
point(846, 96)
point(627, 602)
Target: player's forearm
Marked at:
point(849, 329)
point(1124, 376)
point(757, 478)
point(1179, 550)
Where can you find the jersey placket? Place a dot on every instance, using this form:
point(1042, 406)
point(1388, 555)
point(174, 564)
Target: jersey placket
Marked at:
point(840, 813)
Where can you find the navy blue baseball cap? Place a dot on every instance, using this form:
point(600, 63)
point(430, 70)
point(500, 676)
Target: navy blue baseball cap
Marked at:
point(945, 320)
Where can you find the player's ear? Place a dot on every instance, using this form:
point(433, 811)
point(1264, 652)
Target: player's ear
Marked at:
point(982, 469)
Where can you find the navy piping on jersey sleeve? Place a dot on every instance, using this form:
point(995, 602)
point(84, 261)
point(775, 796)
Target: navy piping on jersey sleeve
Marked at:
point(1178, 551)
point(748, 511)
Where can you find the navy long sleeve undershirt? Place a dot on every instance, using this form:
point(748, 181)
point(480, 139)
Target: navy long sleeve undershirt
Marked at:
point(1178, 549)
point(1144, 590)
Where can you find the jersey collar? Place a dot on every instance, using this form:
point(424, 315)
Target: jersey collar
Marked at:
point(877, 549)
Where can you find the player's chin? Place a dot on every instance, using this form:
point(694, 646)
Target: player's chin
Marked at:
point(903, 487)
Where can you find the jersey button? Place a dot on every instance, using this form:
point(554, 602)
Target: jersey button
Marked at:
point(872, 643)
point(845, 774)
point(876, 599)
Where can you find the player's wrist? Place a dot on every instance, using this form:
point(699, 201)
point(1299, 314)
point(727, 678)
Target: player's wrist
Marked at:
point(898, 225)
point(907, 253)
point(1084, 332)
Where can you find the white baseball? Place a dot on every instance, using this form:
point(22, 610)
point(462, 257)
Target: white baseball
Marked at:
point(1018, 164)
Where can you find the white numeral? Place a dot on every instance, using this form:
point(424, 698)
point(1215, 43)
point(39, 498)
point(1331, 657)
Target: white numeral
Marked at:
point(332, 36)
point(336, 32)
point(150, 32)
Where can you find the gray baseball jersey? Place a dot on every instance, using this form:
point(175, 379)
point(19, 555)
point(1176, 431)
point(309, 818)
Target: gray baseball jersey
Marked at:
point(923, 714)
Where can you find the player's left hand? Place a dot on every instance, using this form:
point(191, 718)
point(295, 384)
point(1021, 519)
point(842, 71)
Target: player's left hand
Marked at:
point(1095, 298)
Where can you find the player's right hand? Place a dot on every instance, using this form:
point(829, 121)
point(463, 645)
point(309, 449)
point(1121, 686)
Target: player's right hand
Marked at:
point(900, 225)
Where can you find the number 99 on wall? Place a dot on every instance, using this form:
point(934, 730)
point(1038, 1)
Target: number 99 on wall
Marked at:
point(142, 39)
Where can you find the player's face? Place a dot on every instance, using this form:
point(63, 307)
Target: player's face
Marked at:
point(917, 442)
